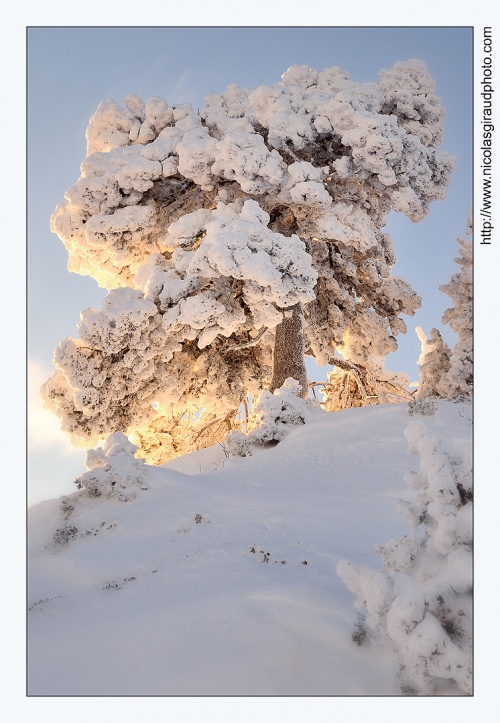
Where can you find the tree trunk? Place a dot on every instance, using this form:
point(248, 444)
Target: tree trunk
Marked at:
point(288, 358)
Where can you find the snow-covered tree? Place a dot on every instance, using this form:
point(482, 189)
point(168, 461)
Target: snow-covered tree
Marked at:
point(434, 364)
point(458, 380)
point(233, 241)
point(445, 373)
point(420, 605)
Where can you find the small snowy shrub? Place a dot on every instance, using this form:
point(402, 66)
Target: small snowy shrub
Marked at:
point(271, 420)
point(63, 535)
point(238, 444)
point(113, 470)
point(67, 505)
point(420, 606)
point(425, 407)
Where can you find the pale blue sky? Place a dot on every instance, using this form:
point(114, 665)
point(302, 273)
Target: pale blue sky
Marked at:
point(70, 70)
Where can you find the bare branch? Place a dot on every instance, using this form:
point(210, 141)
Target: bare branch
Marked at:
point(250, 343)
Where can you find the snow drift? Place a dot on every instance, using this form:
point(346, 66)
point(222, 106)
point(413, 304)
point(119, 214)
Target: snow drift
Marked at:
point(217, 576)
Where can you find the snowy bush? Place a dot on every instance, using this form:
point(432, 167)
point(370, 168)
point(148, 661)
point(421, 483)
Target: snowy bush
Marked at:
point(425, 407)
point(113, 470)
point(271, 419)
point(238, 444)
point(421, 604)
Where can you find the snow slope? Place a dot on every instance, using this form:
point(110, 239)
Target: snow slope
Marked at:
point(219, 579)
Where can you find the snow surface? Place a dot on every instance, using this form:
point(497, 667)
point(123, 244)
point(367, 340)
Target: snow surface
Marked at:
point(219, 578)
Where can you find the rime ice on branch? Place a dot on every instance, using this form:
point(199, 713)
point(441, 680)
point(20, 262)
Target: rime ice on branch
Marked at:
point(213, 229)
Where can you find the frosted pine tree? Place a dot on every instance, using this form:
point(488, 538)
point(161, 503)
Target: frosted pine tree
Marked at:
point(459, 378)
point(445, 373)
point(236, 240)
point(420, 604)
